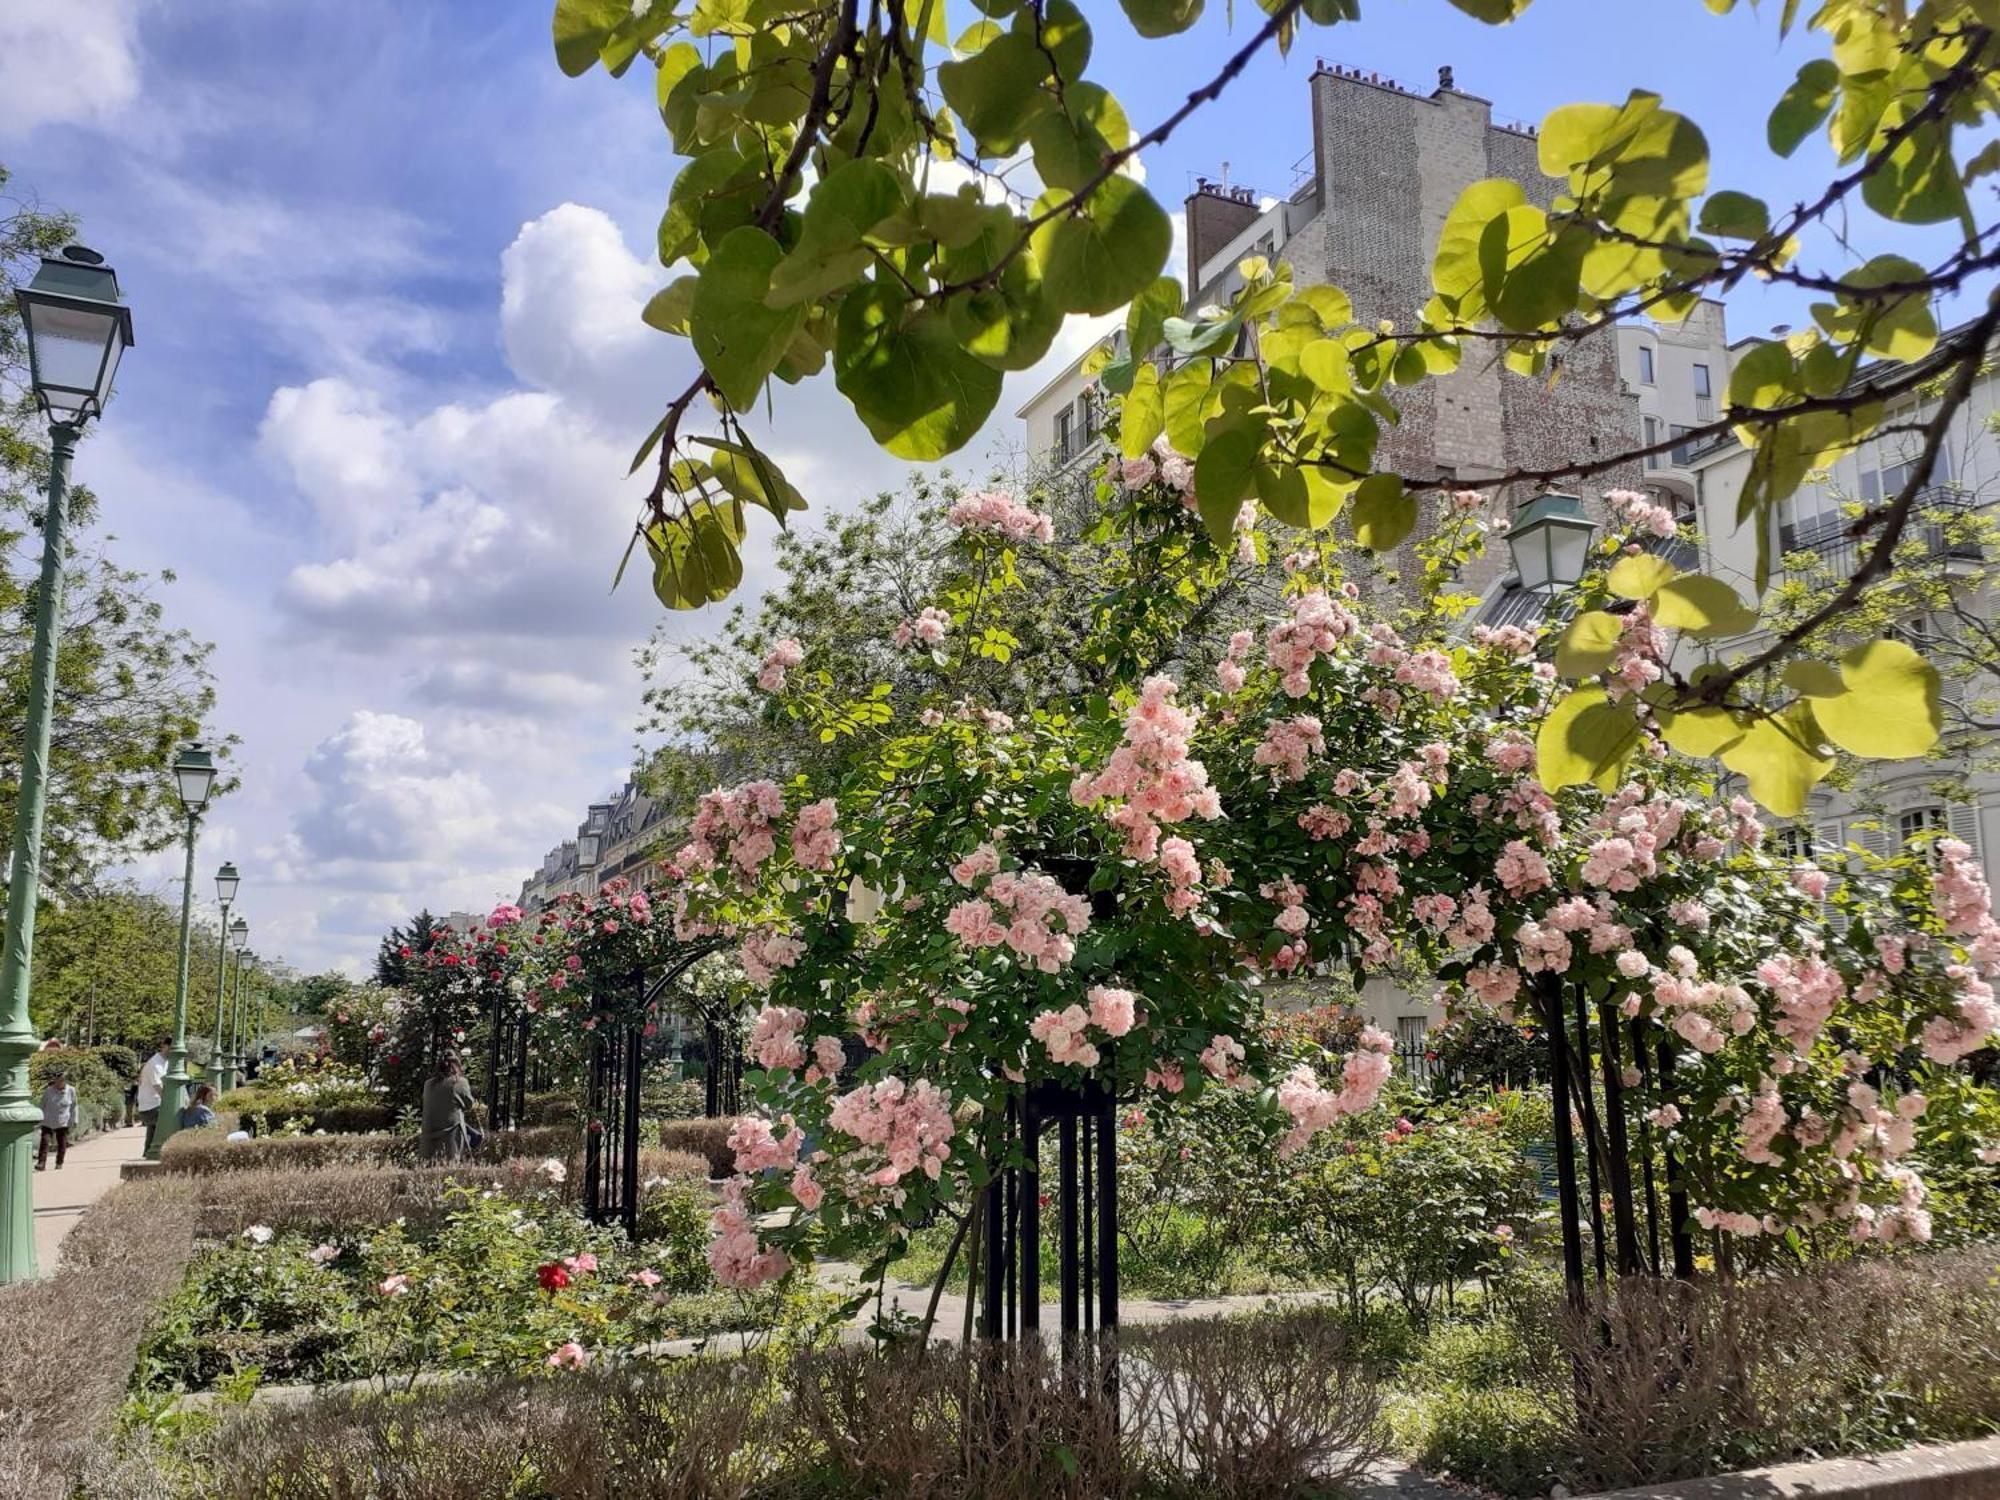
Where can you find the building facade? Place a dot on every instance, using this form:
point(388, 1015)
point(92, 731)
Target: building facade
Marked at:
point(625, 837)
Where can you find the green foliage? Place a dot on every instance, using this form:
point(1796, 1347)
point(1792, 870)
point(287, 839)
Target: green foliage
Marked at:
point(100, 1093)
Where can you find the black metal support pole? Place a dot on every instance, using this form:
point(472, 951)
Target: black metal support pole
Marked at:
point(1592, 1137)
point(1548, 990)
point(593, 1134)
point(520, 1110)
point(1107, 1240)
point(1677, 1202)
point(1030, 1235)
point(1625, 1225)
point(1008, 1272)
point(1646, 1150)
point(634, 1069)
point(1066, 1175)
point(711, 1080)
point(991, 1291)
point(1086, 1224)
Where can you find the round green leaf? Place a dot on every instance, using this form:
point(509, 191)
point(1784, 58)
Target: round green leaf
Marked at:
point(1223, 476)
point(1889, 710)
point(1639, 576)
point(1383, 514)
point(1702, 606)
point(920, 393)
point(1774, 758)
point(1586, 647)
point(739, 338)
point(1100, 258)
point(1586, 738)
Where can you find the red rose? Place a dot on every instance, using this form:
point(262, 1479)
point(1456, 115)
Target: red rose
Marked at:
point(553, 1277)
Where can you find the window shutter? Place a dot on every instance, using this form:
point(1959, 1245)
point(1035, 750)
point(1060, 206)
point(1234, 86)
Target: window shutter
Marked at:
point(1963, 822)
point(1876, 839)
point(1829, 838)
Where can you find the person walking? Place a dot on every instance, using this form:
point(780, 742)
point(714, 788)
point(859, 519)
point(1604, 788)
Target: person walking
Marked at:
point(58, 1115)
point(447, 1102)
point(201, 1109)
point(152, 1085)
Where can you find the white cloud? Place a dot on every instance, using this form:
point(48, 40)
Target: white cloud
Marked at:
point(68, 62)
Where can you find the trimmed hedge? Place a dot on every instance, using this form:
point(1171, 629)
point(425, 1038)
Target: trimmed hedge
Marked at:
point(707, 1138)
point(208, 1150)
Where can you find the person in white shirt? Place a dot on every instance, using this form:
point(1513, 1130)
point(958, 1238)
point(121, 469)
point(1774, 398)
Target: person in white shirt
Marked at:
point(58, 1115)
point(152, 1084)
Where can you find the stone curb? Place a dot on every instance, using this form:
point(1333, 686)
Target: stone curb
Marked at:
point(1949, 1471)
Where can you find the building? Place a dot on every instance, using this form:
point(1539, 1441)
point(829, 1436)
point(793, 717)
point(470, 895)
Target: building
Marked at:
point(1812, 530)
point(624, 837)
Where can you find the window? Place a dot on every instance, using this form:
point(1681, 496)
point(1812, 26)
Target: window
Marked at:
point(1645, 364)
point(1652, 427)
point(1794, 842)
point(1086, 415)
point(1410, 1033)
point(1065, 423)
point(1885, 480)
point(1701, 387)
point(1916, 822)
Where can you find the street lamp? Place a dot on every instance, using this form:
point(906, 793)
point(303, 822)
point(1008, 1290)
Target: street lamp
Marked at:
point(194, 779)
point(226, 881)
point(241, 932)
point(76, 330)
point(1550, 541)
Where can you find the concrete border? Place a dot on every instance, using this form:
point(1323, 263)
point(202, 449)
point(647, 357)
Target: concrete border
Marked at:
point(1947, 1471)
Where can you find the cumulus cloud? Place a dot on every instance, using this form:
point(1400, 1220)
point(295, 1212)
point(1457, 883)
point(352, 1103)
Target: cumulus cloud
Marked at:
point(381, 797)
point(66, 63)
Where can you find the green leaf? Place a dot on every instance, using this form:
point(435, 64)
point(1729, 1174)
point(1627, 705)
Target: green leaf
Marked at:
point(1187, 337)
point(1814, 679)
point(1223, 477)
point(1071, 142)
point(1639, 576)
point(1530, 275)
point(1735, 216)
point(1586, 739)
point(1493, 12)
point(1147, 316)
point(1143, 414)
point(845, 205)
point(918, 391)
point(997, 92)
point(582, 27)
point(1587, 645)
point(1703, 607)
point(1383, 514)
point(1919, 182)
point(668, 308)
point(1889, 710)
point(1161, 17)
point(753, 478)
point(1699, 732)
point(1804, 105)
point(1099, 259)
point(1901, 328)
point(1456, 272)
point(1191, 397)
point(695, 559)
point(1773, 756)
point(1303, 496)
point(738, 337)
point(1763, 377)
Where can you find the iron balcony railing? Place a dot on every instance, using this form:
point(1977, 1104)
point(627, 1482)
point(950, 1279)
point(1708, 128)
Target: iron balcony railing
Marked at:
point(1840, 553)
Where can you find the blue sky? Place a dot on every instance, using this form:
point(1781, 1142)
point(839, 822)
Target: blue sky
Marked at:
point(385, 264)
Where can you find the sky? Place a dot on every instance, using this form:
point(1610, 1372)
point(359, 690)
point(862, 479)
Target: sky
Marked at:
point(386, 265)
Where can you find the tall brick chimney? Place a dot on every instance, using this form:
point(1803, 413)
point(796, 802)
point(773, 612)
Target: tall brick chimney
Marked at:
point(1215, 216)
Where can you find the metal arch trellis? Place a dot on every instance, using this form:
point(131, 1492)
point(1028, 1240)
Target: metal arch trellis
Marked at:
point(617, 1066)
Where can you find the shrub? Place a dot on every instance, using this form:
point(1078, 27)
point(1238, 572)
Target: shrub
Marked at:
point(57, 1395)
point(122, 1061)
point(675, 1206)
point(705, 1138)
point(1505, 1438)
point(210, 1150)
point(559, 1107)
point(1269, 1406)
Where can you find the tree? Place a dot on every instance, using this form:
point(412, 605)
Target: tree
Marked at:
point(813, 236)
point(106, 963)
point(402, 945)
point(130, 686)
point(315, 995)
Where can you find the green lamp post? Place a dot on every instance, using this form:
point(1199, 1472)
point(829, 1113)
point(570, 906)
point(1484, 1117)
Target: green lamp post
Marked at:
point(76, 331)
point(1550, 542)
point(241, 932)
point(226, 881)
point(194, 779)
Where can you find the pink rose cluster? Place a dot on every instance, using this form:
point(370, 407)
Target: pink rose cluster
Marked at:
point(759, 1147)
point(781, 658)
point(736, 823)
point(930, 627)
point(1317, 626)
point(815, 841)
point(763, 953)
point(1152, 771)
point(1041, 918)
point(997, 511)
point(774, 1037)
point(908, 1125)
point(1288, 745)
point(1640, 513)
point(1163, 463)
point(1312, 1108)
point(1230, 673)
point(735, 1255)
point(1112, 1011)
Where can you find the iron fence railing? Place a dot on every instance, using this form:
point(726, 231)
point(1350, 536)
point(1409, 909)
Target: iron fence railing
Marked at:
point(1840, 553)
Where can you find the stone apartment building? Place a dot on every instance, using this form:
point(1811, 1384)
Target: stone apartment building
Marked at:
point(624, 837)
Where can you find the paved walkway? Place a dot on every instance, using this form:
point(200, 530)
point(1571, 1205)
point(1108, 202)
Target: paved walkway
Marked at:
point(91, 1170)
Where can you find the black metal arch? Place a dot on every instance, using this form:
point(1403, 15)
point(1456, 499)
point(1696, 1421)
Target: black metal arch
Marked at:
point(617, 1066)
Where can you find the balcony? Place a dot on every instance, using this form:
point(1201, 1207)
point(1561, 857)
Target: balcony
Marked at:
point(1679, 551)
point(1840, 554)
point(1072, 445)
